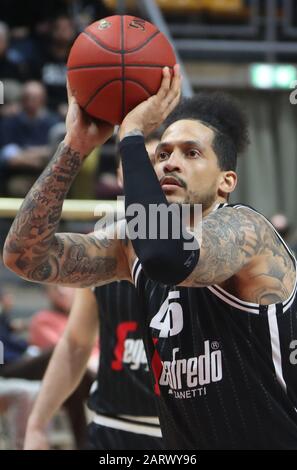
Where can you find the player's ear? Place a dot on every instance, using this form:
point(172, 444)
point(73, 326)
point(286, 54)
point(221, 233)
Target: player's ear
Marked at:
point(227, 182)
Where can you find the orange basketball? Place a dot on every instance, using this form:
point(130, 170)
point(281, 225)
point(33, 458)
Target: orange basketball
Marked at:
point(115, 64)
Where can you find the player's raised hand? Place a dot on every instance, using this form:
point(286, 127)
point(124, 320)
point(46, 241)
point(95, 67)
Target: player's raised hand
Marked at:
point(82, 132)
point(150, 114)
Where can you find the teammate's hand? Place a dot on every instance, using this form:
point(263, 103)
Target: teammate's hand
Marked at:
point(82, 132)
point(150, 114)
point(36, 439)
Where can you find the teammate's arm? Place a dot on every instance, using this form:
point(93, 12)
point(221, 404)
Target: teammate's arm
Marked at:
point(66, 367)
point(33, 249)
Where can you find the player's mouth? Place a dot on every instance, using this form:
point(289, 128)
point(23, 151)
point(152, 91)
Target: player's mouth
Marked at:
point(170, 183)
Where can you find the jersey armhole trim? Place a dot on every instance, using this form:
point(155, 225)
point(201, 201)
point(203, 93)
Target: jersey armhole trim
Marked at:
point(250, 306)
point(136, 269)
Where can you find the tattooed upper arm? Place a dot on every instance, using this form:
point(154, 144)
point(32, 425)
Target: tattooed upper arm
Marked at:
point(231, 240)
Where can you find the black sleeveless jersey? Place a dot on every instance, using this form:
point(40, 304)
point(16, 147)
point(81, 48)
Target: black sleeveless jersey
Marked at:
point(224, 370)
point(124, 385)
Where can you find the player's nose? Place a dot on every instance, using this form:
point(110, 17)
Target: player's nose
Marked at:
point(173, 163)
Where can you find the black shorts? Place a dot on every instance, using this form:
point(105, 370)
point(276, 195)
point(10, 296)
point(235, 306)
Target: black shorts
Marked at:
point(105, 438)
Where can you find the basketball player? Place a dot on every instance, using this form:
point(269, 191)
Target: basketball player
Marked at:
point(219, 319)
point(122, 401)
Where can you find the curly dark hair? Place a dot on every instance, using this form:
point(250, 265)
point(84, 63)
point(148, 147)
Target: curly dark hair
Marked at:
point(221, 113)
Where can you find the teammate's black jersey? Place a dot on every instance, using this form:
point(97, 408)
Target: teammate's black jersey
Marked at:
point(124, 385)
point(225, 370)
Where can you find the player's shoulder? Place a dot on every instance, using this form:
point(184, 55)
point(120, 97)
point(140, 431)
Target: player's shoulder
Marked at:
point(254, 222)
point(239, 215)
point(246, 227)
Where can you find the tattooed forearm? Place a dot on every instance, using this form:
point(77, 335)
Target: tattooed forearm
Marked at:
point(74, 261)
point(35, 251)
point(231, 240)
point(40, 212)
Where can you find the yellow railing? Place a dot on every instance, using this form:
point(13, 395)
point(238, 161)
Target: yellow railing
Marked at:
point(73, 209)
point(175, 6)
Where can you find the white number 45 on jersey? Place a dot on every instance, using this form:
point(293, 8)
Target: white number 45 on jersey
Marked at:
point(169, 319)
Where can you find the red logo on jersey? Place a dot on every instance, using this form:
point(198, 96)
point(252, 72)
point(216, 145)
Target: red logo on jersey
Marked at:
point(157, 367)
point(122, 332)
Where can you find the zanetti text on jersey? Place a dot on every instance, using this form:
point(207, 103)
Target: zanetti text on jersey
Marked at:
point(183, 376)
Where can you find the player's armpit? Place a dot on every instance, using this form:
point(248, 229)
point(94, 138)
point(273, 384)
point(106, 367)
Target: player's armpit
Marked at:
point(238, 239)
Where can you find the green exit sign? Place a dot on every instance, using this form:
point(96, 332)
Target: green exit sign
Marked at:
point(272, 76)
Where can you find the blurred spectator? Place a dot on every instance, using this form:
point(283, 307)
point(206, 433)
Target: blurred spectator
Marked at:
point(14, 345)
point(25, 361)
point(12, 97)
point(24, 140)
point(8, 68)
point(33, 13)
point(281, 224)
point(87, 11)
point(50, 68)
point(20, 14)
point(107, 186)
point(47, 326)
point(31, 126)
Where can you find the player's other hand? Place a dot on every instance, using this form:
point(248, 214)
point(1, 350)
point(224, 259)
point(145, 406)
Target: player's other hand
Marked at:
point(150, 114)
point(82, 132)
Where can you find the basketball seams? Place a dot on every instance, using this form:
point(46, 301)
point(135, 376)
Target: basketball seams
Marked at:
point(108, 83)
point(95, 39)
point(136, 49)
point(117, 51)
point(79, 67)
point(99, 89)
point(140, 84)
point(157, 66)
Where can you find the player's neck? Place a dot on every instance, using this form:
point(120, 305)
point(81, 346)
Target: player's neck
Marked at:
point(219, 200)
point(205, 212)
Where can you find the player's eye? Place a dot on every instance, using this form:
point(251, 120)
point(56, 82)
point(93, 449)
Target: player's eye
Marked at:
point(163, 156)
point(193, 153)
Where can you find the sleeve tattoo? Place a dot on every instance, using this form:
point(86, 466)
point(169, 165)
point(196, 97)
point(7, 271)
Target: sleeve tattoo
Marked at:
point(230, 239)
point(34, 250)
